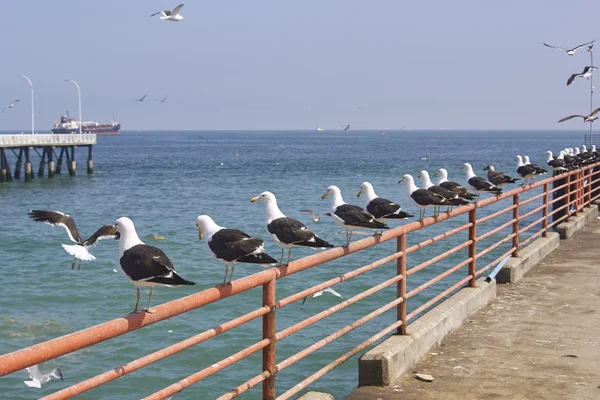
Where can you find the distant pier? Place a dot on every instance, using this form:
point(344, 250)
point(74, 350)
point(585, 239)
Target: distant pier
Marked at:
point(51, 150)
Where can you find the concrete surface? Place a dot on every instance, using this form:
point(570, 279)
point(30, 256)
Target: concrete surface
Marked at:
point(395, 355)
point(568, 229)
point(518, 346)
point(316, 396)
point(516, 267)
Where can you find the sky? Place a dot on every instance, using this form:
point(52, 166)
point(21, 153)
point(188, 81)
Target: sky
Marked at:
point(273, 64)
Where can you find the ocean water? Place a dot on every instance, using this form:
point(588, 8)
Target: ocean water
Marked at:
point(163, 181)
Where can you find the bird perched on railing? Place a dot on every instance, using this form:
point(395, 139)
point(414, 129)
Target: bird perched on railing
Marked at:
point(423, 198)
point(557, 164)
point(382, 209)
point(449, 195)
point(478, 184)
point(498, 178)
point(539, 169)
point(443, 181)
point(527, 172)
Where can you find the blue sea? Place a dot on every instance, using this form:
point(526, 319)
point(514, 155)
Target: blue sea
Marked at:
point(163, 181)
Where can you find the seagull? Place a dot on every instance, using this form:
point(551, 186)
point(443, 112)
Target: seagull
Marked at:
point(498, 178)
point(321, 293)
point(10, 105)
point(569, 51)
point(38, 378)
point(423, 198)
point(348, 216)
point(144, 265)
point(161, 100)
point(539, 169)
point(558, 164)
point(231, 245)
point(141, 99)
point(80, 249)
point(382, 209)
point(587, 73)
point(171, 15)
point(586, 118)
point(443, 181)
point(286, 231)
point(315, 217)
point(527, 172)
point(449, 195)
point(479, 184)
point(347, 127)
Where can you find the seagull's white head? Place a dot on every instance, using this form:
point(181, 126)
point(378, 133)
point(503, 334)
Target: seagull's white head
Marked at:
point(265, 197)
point(204, 223)
point(365, 187)
point(407, 178)
point(124, 226)
point(467, 167)
point(593, 148)
point(331, 191)
point(442, 173)
point(583, 148)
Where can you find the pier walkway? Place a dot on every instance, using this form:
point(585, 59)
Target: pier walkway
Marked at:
point(540, 338)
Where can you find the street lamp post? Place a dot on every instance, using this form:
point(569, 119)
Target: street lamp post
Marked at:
point(79, 96)
point(32, 103)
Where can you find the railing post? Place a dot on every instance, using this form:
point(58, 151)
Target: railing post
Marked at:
point(472, 250)
point(515, 239)
point(589, 185)
point(401, 285)
point(568, 197)
point(269, 299)
point(545, 212)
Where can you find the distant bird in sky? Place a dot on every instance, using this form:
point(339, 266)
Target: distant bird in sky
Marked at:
point(570, 51)
point(38, 378)
point(358, 108)
point(171, 15)
point(587, 72)
point(347, 127)
point(141, 99)
point(10, 105)
point(586, 118)
point(161, 100)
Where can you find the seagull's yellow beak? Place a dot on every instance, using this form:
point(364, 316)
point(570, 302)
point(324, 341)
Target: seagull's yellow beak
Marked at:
point(252, 200)
point(113, 231)
point(325, 195)
point(199, 234)
point(462, 166)
point(401, 180)
point(359, 193)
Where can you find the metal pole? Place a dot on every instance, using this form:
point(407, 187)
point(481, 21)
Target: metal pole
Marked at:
point(269, 361)
point(515, 227)
point(472, 249)
point(401, 285)
point(591, 50)
point(545, 212)
point(32, 103)
point(79, 97)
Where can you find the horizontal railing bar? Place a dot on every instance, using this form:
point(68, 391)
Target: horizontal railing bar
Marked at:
point(206, 372)
point(352, 274)
point(495, 230)
point(340, 360)
point(531, 199)
point(438, 258)
point(438, 278)
point(528, 227)
point(495, 245)
point(496, 214)
point(331, 310)
point(244, 387)
point(530, 238)
point(557, 210)
point(554, 200)
point(557, 188)
point(438, 297)
point(325, 341)
point(437, 238)
point(155, 356)
point(495, 262)
point(559, 220)
point(530, 213)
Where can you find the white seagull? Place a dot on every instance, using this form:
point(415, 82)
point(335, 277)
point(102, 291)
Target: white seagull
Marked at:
point(586, 118)
point(587, 73)
point(171, 15)
point(10, 105)
point(321, 293)
point(38, 378)
point(478, 184)
point(569, 51)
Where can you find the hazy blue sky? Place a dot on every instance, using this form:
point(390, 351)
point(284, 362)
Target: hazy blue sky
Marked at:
point(276, 64)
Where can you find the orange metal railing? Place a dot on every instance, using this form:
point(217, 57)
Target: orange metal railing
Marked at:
point(529, 218)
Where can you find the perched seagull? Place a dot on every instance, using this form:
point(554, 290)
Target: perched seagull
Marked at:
point(348, 216)
point(144, 265)
point(570, 51)
point(141, 99)
point(539, 169)
point(38, 378)
point(231, 245)
point(587, 73)
point(171, 15)
point(422, 198)
point(443, 181)
point(527, 172)
point(162, 100)
point(586, 118)
point(80, 249)
point(321, 293)
point(498, 178)
point(558, 165)
point(9, 105)
point(286, 231)
point(449, 195)
point(479, 184)
point(315, 217)
point(382, 209)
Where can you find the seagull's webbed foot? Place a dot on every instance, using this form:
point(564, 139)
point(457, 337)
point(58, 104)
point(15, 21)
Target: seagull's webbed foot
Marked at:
point(149, 310)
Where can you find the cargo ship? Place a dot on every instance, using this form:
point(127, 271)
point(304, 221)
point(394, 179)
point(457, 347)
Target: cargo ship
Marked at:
point(71, 125)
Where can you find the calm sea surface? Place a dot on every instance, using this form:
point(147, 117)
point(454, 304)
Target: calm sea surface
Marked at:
point(163, 181)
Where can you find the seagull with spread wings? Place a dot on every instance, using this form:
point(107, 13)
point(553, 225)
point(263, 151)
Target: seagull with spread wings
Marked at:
point(161, 100)
point(9, 105)
point(587, 73)
point(586, 118)
point(572, 51)
point(141, 99)
point(169, 15)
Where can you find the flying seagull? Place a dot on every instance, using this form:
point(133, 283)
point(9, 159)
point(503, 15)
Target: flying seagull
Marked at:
point(347, 127)
point(171, 15)
point(315, 217)
point(161, 100)
point(80, 249)
point(144, 265)
point(141, 99)
point(10, 105)
point(587, 72)
point(321, 293)
point(286, 231)
point(38, 378)
point(570, 51)
point(231, 246)
point(586, 118)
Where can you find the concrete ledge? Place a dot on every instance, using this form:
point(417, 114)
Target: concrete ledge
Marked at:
point(568, 229)
point(394, 356)
point(316, 396)
point(517, 267)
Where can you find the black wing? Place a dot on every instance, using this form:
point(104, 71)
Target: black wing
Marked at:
point(289, 230)
point(483, 185)
point(234, 245)
point(102, 233)
point(499, 178)
point(380, 208)
point(356, 216)
point(144, 263)
point(424, 197)
point(57, 218)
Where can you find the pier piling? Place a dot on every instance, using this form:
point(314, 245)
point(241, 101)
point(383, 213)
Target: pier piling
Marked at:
point(59, 161)
point(3, 171)
point(18, 165)
point(42, 164)
point(71, 163)
point(51, 170)
point(28, 167)
point(90, 164)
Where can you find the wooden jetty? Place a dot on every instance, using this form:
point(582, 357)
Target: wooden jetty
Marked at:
point(52, 149)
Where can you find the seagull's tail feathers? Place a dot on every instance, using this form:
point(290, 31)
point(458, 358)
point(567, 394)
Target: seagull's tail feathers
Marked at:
point(317, 243)
point(458, 202)
point(79, 252)
point(399, 215)
point(375, 225)
point(467, 196)
point(260, 258)
point(56, 373)
point(33, 384)
point(172, 279)
point(496, 190)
